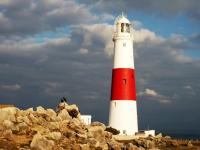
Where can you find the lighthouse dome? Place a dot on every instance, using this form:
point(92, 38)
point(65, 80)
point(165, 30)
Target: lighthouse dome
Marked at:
point(122, 27)
point(122, 19)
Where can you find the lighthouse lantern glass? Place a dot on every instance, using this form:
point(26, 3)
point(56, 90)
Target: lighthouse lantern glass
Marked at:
point(127, 27)
point(122, 27)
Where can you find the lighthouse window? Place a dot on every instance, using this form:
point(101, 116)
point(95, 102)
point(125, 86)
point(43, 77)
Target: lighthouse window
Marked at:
point(127, 28)
point(124, 81)
point(122, 27)
point(124, 131)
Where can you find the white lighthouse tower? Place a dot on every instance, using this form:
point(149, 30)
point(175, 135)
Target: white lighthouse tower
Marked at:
point(123, 107)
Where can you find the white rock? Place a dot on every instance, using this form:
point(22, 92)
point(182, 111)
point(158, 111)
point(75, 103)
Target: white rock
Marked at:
point(25, 112)
point(8, 113)
point(22, 125)
point(39, 142)
point(98, 124)
point(7, 133)
point(96, 132)
point(75, 123)
point(8, 124)
point(25, 119)
point(84, 146)
point(58, 119)
point(64, 115)
point(33, 118)
point(29, 109)
point(54, 136)
point(19, 119)
point(70, 107)
point(95, 129)
point(53, 125)
point(158, 135)
point(40, 110)
point(51, 113)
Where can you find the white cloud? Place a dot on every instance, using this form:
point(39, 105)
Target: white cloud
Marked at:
point(5, 2)
point(155, 96)
point(3, 20)
point(102, 31)
point(29, 17)
point(150, 92)
point(83, 51)
point(189, 90)
point(142, 35)
point(177, 38)
point(183, 59)
point(178, 56)
point(19, 45)
point(187, 87)
point(52, 84)
point(136, 24)
point(71, 8)
point(41, 59)
point(105, 32)
point(51, 87)
point(58, 41)
point(106, 17)
point(14, 87)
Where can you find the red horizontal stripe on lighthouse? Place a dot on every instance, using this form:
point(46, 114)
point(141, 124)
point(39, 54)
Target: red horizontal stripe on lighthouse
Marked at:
point(123, 84)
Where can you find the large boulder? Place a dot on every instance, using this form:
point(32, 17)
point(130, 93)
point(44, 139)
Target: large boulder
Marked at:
point(64, 115)
point(112, 130)
point(40, 142)
point(141, 142)
point(130, 146)
point(158, 135)
point(70, 107)
point(96, 123)
point(98, 133)
point(115, 145)
point(25, 119)
point(7, 134)
point(34, 119)
point(25, 112)
point(73, 111)
point(22, 126)
point(75, 124)
point(52, 114)
point(54, 136)
point(189, 144)
point(85, 147)
point(149, 144)
point(40, 110)
point(8, 113)
point(8, 124)
point(53, 126)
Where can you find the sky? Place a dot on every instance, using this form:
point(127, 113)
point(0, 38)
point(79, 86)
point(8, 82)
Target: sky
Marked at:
point(50, 49)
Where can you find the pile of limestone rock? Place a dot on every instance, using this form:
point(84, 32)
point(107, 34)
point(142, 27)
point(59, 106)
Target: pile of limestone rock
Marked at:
point(45, 129)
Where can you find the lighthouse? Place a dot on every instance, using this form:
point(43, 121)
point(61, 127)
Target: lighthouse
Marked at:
point(123, 107)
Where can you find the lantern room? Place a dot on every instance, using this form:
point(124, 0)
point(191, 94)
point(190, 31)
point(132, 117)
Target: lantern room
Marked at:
point(122, 27)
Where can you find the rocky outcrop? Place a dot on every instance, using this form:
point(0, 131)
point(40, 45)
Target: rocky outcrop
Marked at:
point(112, 130)
point(44, 129)
point(40, 142)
